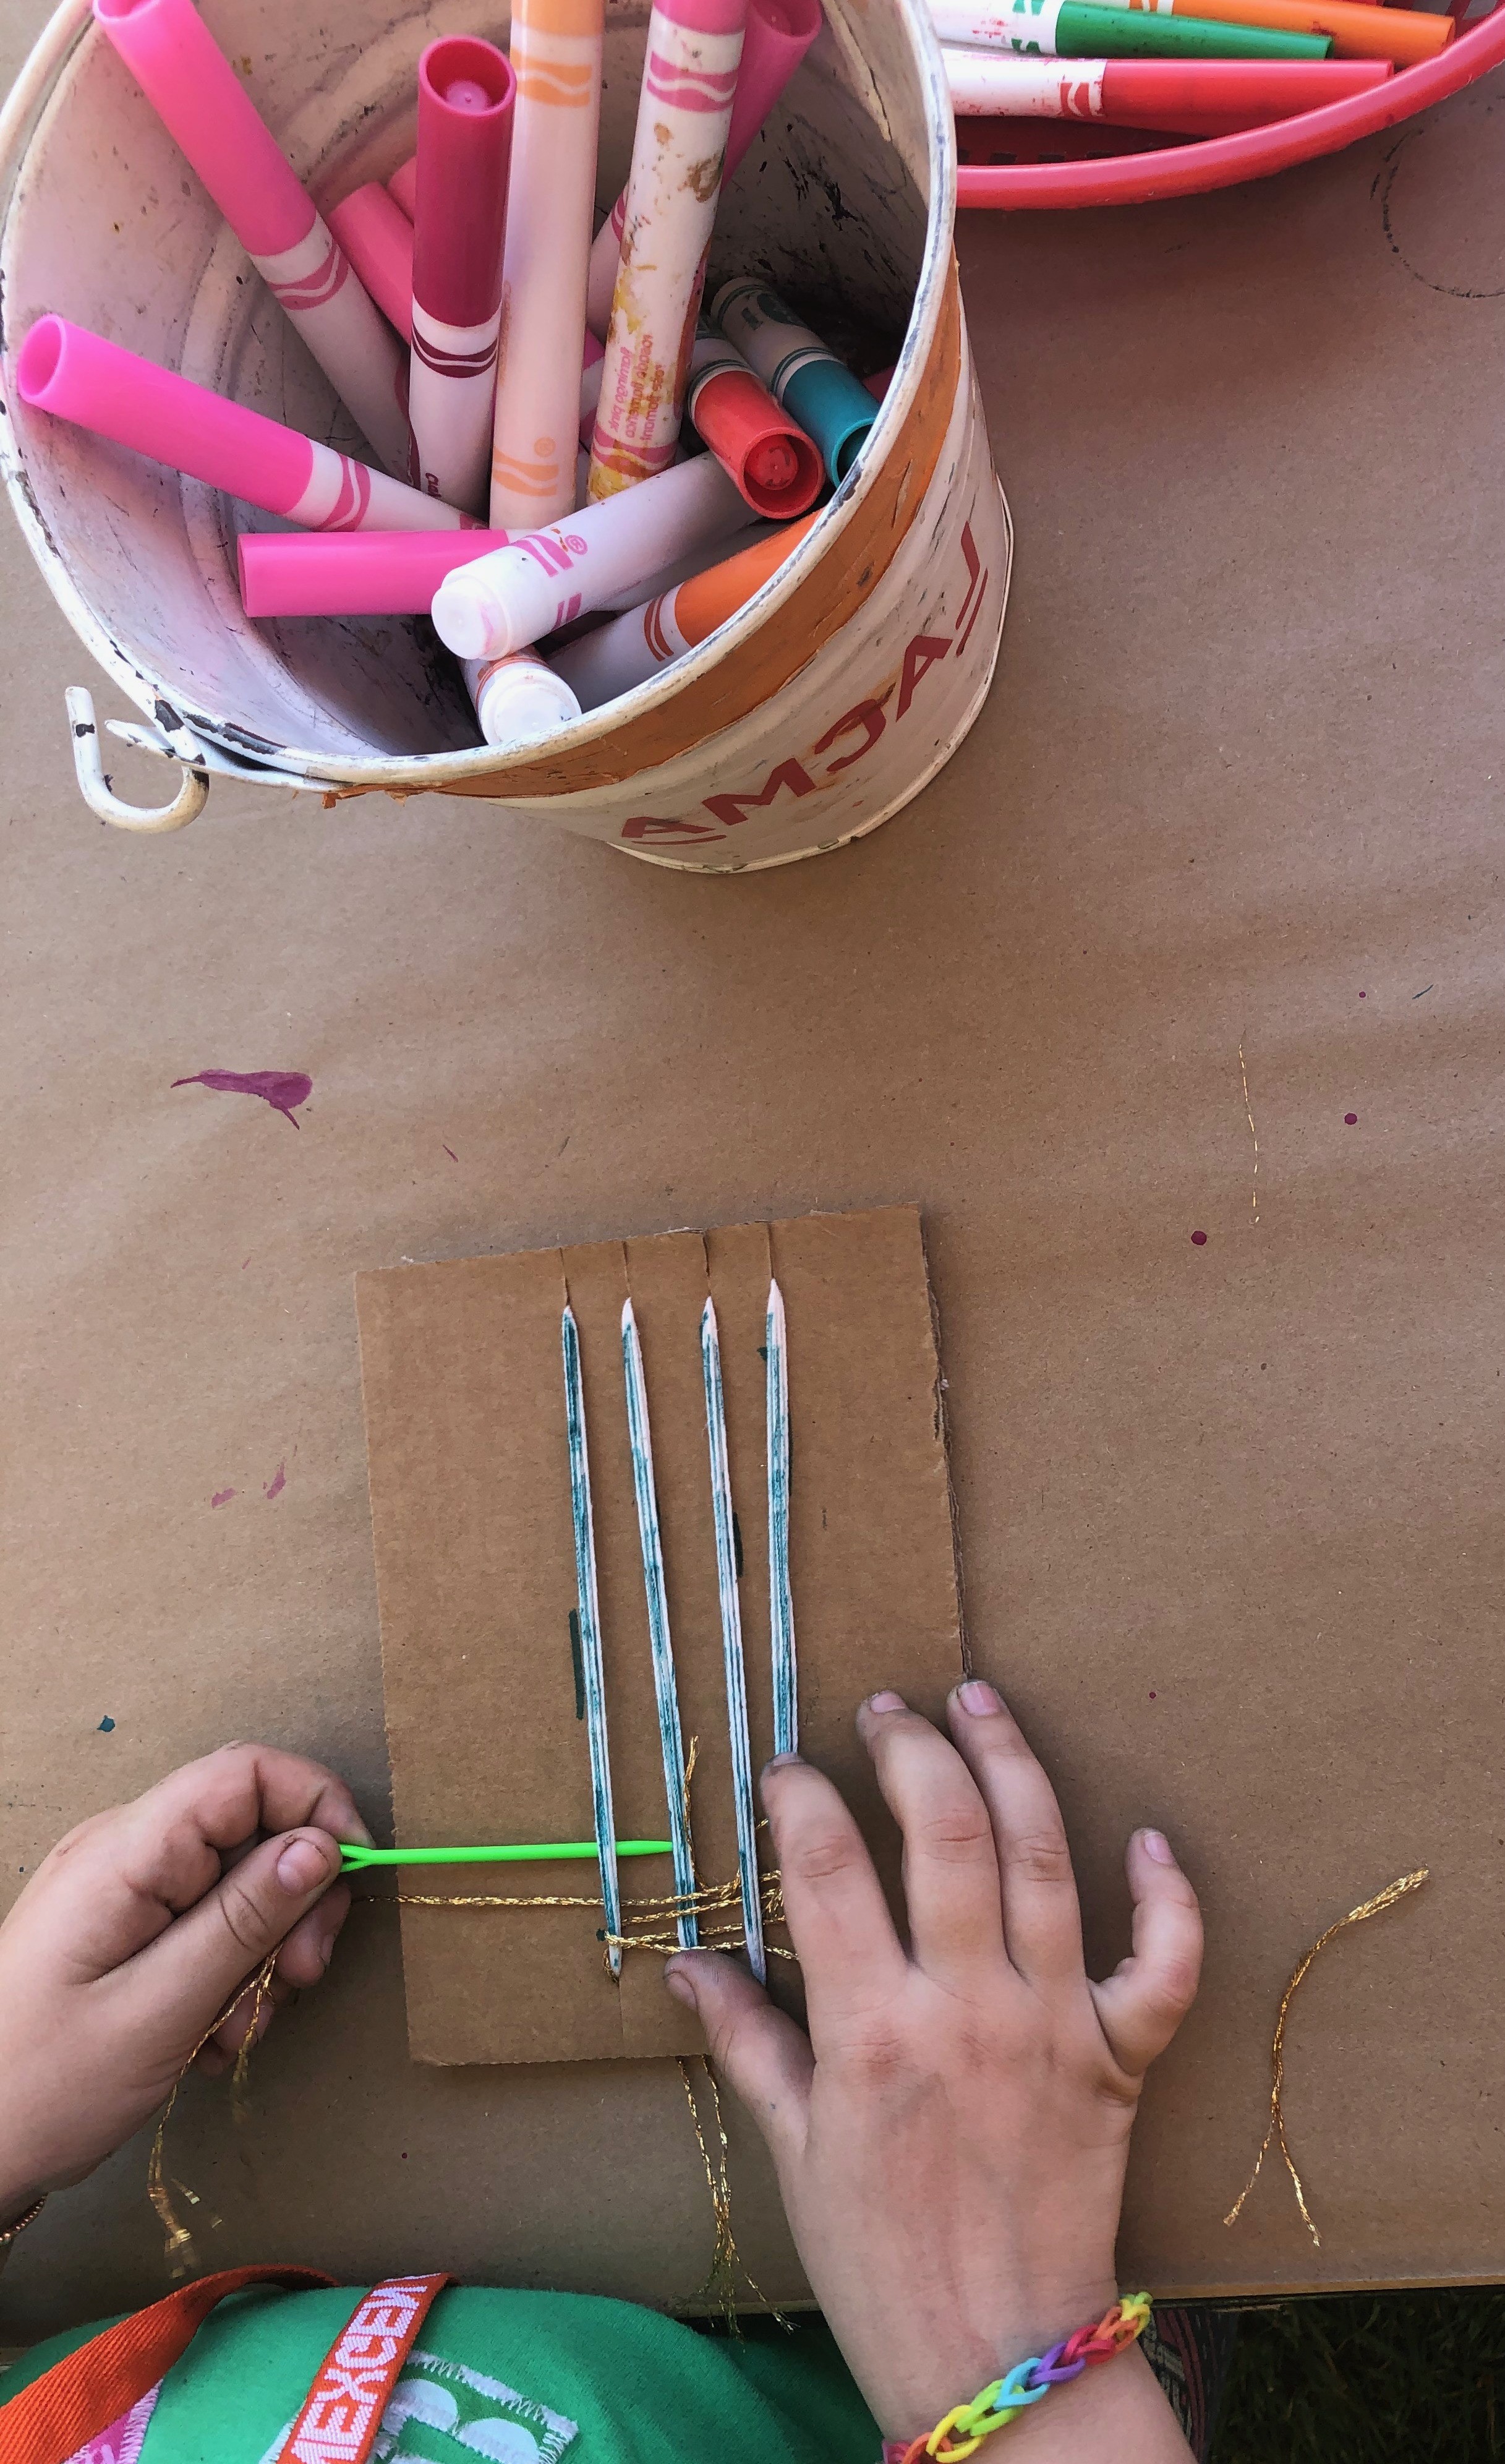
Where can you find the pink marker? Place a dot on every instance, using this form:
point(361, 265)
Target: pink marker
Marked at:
point(369, 573)
point(76, 375)
point(403, 187)
point(377, 238)
point(202, 103)
point(465, 134)
point(777, 35)
point(689, 78)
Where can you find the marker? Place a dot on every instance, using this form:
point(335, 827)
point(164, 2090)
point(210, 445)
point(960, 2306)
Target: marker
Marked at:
point(377, 238)
point(620, 655)
point(518, 700)
point(776, 36)
point(801, 373)
point(773, 462)
point(464, 123)
point(521, 592)
point(403, 187)
point(1359, 31)
point(356, 1858)
point(207, 112)
point(1082, 29)
point(557, 57)
point(76, 375)
point(1196, 98)
point(689, 76)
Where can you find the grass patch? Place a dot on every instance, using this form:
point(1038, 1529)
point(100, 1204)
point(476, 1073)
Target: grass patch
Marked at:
point(1369, 2378)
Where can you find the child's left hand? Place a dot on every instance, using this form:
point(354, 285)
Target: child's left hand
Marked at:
point(137, 1930)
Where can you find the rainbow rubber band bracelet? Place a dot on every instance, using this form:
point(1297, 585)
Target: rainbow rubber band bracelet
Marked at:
point(355, 1858)
point(964, 2427)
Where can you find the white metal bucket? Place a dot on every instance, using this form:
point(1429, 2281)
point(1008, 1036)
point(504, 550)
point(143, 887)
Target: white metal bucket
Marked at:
point(819, 709)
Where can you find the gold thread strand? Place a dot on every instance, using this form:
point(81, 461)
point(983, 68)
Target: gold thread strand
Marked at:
point(180, 2252)
point(726, 2262)
point(1275, 2132)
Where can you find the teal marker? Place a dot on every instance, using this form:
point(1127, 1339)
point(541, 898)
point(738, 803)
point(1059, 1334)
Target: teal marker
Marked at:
point(1096, 30)
point(804, 377)
point(355, 1860)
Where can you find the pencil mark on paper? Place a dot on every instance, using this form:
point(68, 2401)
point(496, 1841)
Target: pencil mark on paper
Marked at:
point(1254, 1193)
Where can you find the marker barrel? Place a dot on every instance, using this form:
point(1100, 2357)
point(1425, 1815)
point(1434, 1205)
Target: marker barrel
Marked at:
point(78, 376)
point(1359, 31)
point(371, 573)
point(403, 187)
point(776, 36)
point(689, 76)
point(775, 465)
point(604, 664)
point(1080, 29)
point(463, 149)
point(530, 588)
point(519, 699)
point(556, 59)
point(1195, 98)
point(803, 376)
point(210, 118)
point(377, 238)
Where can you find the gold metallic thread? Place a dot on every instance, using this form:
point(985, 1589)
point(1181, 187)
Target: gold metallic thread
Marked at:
point(1275, 2132)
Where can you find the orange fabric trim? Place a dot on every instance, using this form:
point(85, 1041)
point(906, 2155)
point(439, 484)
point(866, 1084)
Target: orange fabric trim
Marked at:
point(339, 2421)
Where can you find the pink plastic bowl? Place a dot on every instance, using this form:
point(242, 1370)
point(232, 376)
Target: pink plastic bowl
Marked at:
point(1221, 161)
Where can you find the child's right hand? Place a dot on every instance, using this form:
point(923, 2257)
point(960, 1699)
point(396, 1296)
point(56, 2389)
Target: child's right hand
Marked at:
point(951, 2135)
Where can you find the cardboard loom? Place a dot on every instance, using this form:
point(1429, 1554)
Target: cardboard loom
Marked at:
point(471, 1502)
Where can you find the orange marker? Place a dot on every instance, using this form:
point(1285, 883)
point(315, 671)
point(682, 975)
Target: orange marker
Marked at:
point(1360, 31)
point(601, 665)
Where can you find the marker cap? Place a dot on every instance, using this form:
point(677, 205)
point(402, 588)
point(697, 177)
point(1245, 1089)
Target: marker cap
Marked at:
point(774, 464)
point(834, 408)
point(519, 699)
point(461, 195)
point(352, 573)
point(377, 238)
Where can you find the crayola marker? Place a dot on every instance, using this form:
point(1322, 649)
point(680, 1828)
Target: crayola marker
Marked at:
point(776, 36)
point(624, 654)
point(207, 112)
point(464, 118)
point(1195, 98)
point(689, 76)
point(1082, 29)
point(519, 699)
point(76, 375)
point(777, 468)
point(377, 238)
point(1360, 31)
point(801, 373)
point(538, 583)
point(556, 59)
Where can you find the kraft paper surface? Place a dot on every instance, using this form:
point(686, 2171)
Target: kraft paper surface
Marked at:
point(475, 1568)
point(1229, 1511)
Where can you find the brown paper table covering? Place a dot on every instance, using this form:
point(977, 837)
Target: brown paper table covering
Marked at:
point(1229, 1512)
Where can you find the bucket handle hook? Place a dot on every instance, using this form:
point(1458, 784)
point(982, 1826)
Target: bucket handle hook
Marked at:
point(96, 789)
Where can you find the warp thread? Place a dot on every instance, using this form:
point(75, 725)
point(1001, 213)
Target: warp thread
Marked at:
point(180, 2252)
point(1275, 2132)
point(726, 2262)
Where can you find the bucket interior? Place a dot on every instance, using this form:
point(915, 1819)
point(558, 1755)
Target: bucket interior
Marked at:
point(107, 225)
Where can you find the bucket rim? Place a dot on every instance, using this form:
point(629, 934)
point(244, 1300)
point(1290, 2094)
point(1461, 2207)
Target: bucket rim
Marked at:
point(246, 754)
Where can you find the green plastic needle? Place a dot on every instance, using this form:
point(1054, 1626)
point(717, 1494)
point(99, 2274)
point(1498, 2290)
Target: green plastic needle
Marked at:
point(354, 1859)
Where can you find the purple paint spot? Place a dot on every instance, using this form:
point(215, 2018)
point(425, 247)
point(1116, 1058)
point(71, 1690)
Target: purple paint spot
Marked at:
point(1199, 1239)
point(277, 1482)
point(244, 1264)
point(1364, 996)
point(284, 1089)
point(1351, 1120)
point(223, 1496)
point(1152, 1694)
point(451, 1152)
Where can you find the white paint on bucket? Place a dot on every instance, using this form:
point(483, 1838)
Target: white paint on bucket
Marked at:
point(821, 709)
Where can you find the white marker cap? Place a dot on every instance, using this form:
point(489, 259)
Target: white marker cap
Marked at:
point(519, 699)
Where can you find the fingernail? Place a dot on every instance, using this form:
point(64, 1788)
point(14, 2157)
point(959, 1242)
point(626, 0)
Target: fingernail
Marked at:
point(978, 1697)
point(781, 1762)
point(1158, 1846)
point(302, 1866)
point(886, 1702)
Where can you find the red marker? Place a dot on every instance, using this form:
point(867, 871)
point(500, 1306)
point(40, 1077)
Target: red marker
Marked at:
point(465, 135)
point(1196, 97)
point(775, 465)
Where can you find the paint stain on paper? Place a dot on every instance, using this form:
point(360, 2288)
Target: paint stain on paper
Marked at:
point(1351, 1120)
point(284, 1089)
point(223, 1496)
point(105, 1726)
point(1199, 1239)
point(277, 1482)
point(451, 1152)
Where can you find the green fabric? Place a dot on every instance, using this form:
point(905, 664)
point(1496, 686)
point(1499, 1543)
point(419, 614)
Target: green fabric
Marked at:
point(513, 2378)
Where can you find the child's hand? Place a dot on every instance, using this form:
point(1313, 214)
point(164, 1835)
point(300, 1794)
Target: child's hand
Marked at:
point(137, 1929)
point(951, 2135)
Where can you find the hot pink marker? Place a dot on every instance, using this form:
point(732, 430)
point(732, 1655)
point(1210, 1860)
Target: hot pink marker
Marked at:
point(377, 238)
point(76, 375)
point(372, 573)
point(202, 103)
point(776, 36)
point(465, 134)
point(403, 187)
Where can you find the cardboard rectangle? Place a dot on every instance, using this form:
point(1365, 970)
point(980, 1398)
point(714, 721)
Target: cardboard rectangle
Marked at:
point(471, 1502)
